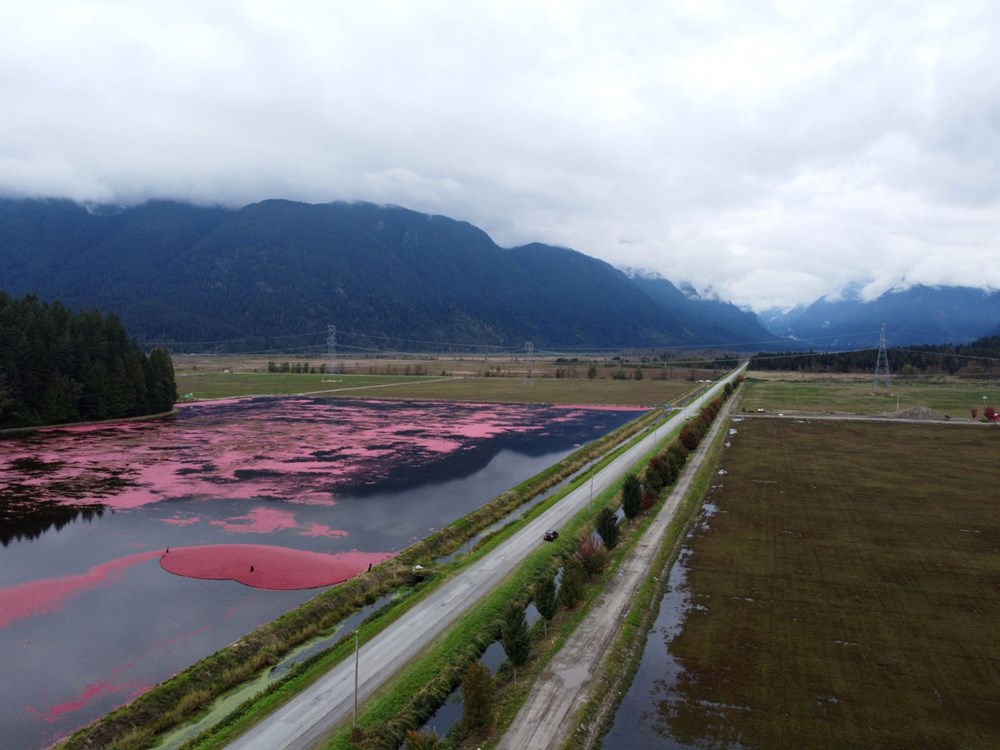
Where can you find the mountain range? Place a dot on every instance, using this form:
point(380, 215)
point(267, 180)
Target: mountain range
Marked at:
point(917, 315)
point(274, 275)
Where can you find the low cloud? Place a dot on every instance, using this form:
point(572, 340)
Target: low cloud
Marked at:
point(771, 153)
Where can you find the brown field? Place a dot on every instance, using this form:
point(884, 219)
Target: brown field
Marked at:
point(846, 593)
point(453, 379)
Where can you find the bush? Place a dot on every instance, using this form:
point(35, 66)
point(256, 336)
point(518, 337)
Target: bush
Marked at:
point(421, 740)
point(592, 557)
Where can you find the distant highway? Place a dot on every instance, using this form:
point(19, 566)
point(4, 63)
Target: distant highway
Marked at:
point(303, 722)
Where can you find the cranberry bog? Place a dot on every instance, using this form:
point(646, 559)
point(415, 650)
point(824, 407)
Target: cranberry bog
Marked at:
point(842, 590)
point(131, 550)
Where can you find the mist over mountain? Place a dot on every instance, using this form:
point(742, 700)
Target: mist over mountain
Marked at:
point(918, 315)
point(275, 274)
point(715, 321)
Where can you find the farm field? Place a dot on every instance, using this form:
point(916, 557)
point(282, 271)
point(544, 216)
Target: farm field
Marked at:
point(952, 397)
point(842, 591)
point(218, 377)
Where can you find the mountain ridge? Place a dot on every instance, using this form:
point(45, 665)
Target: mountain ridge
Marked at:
point(267, 272)
point(920, 314)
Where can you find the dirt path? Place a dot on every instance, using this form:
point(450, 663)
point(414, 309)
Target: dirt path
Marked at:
point(547, 717)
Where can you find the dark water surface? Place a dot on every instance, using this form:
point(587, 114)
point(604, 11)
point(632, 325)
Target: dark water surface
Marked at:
point(89, 619)
point(646, 717)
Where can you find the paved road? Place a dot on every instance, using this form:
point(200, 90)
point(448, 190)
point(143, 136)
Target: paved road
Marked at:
point(302, 723)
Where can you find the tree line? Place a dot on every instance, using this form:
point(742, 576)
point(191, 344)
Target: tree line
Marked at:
point(57, 366)
point(979, 357)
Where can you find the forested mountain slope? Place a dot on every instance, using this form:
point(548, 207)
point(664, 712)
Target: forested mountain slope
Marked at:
point(272, 274)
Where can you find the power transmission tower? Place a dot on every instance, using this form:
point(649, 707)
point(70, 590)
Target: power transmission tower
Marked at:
point(331, 349)
point(882, 366)
point(529, 347)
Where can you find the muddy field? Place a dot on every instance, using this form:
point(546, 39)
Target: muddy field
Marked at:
point(842, 591)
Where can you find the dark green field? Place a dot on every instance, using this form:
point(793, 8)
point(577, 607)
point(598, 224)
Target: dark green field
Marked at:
point(846, 594)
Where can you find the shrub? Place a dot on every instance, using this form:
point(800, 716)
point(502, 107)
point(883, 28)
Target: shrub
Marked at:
point(421, 740)
point(592, 557)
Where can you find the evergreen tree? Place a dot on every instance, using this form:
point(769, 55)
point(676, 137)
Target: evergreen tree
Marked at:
point(57, 366)
point(477, 690)
point(545, 598)
point(607, 527)
point(573, 580)
point(631, 495)
point(514, 635)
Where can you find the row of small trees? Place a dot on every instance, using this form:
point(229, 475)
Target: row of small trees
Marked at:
point(584, 562)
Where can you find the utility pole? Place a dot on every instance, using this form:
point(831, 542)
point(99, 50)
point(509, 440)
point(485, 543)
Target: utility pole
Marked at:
point(529, 348)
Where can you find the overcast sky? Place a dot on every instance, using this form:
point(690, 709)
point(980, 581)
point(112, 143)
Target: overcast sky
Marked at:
point(766, 152)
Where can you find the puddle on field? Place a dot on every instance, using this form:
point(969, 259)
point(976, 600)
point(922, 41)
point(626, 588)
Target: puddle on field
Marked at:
point(643, 717)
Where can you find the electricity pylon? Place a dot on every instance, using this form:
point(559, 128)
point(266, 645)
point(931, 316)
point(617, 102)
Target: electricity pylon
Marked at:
point(882, 366)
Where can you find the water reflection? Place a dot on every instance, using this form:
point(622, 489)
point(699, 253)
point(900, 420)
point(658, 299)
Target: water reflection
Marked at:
point(88, 619)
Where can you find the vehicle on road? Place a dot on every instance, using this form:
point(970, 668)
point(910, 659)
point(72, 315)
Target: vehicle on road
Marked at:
point(551, 535)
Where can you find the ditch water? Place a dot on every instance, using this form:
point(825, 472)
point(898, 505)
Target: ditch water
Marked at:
point(645, 717)
point(88, 616)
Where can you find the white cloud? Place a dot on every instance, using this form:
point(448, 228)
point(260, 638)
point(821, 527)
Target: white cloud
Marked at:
point(769, 151)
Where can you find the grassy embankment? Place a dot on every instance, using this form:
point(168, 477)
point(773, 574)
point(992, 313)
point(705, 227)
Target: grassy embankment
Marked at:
point(191, 692)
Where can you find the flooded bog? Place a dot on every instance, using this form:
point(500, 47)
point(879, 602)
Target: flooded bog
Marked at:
point(94, 609)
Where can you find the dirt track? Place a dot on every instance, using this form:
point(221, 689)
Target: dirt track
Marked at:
point(547, 717)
